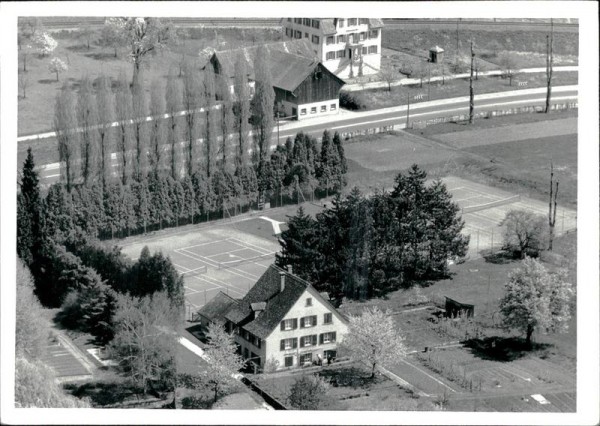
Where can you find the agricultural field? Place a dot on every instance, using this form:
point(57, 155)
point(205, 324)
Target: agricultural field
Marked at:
point(35, 113)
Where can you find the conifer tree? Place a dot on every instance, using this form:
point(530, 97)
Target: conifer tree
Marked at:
point(105, 105)
point(124, 114)
point(242, 107)
point(173, 105)
point(29, 212)
point(337, 142)
point(58, 213)
point(87, 120)
point(65, 124)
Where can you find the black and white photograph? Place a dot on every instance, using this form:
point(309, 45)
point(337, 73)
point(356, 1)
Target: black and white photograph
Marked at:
point(226, 213)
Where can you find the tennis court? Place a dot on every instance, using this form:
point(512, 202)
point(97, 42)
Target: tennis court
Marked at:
point(484, 207)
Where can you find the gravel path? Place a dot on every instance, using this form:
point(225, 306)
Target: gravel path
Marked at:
point(510, 133)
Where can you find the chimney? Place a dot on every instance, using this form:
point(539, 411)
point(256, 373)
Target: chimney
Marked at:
point(282, 276)
point(290, 269)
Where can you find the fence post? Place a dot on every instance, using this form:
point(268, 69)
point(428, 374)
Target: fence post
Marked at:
point(492, 249)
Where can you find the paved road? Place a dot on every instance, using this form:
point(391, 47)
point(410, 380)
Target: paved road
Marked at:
point(395, 116)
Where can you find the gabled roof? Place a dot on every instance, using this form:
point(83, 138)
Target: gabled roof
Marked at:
point(278, 303)
point(328, 24)
point(216, 308)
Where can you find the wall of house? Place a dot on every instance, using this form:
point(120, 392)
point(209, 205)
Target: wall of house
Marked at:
point(299, 310)
point(250, 347)
point(318, 109)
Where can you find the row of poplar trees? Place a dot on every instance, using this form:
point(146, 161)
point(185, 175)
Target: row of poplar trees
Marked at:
point(194, 156)
point(365, 247)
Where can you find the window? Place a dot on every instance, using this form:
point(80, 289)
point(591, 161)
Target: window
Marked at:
point(289, 361)
point(315, 39)
point(373, 33)
point(364, 50)
point(246, 335)
point(330, 40)
point(305, 35)
point(256, 342)
point(372, 49)
point(289, 19)
point(298, 34)
point(353, 38)
point(351, 22)
point(246, 353)
point(286, 344)
point(308, 341)
point(306, 358)
point(315, 24)
point(363, 21)
point(313, 110)
point(307, 22)
point(309, 301)
point(310, 321)
point(297, 20)
point(303, 111)
point(330, 55)
point(341, 23)
point(341, 39)
point(325, 338)
point(362, 36)
point(341, 53)
point(332, 107)
point(323, 108)
point(328, 318)
point(289, 324)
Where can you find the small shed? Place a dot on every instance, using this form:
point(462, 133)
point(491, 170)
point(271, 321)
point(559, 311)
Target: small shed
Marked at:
point(455, 308)
point(436, 54)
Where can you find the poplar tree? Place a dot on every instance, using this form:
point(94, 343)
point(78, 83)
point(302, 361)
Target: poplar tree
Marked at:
point(262, 105)
point(210, 128)
point(87, 119)
point(242, 106)
point(105, 105)
point(173, 105)
point(65, 124)
point(227, 119)
point(191, 104)
point(157, 127)
point(140, 137)
point(124, 113)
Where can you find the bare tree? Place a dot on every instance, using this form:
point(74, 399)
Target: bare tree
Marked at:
point(389, 75)
point(87, 119)
point(157, 126)
point(524, 233)
point(173, 105)
point(192, 97)
point(124, 113)
point(242, 111)
point(552, 206)
point(226, 118)
point(105, 105)
point(23, 83)
point(210, 127)
point(471, 92)
point(509, 66)
point(549, 65)
point(139, 127)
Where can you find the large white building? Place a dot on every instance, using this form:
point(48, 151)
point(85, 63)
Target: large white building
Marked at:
point(348, 47)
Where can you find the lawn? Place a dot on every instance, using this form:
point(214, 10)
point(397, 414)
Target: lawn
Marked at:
point(35, 112)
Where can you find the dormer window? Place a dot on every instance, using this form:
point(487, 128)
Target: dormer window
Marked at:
point(309, 301)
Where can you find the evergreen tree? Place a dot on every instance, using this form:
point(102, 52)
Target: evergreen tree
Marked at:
point(327, 172)
point(156, 273)
point(173, 105)
point(98, 303)
point(337, 142)
point(124, 114)
point(157, 128)
point(65, 124)
point(141, 194)
point(58, 213)
point(242, 115)
point(299, 246)
point(105, 105)
point(29, 212)
point(87, 120)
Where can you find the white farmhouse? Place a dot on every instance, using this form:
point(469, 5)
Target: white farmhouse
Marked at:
point(348, 47)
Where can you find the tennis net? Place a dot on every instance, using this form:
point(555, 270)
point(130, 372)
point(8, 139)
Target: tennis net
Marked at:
point(234, 263)
point(509, 200)
point(200, 270)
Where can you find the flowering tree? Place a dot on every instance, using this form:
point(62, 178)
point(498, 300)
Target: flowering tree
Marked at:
point(373, 338)
point(113, 33)
point(57, 66)
point(44, 43)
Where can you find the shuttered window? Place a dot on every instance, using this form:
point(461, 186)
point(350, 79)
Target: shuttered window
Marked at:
point(310, 321)
point(306, 358)
point(330, 55)
point(330, 40)
point(286, 344)
point(327, 337)
point(341, 23)
point(289, 324)
point(372, 49)
point(364, 21)
point(341, 53)
point(315, 24)
point(351, 21)
point(306, 341)
point(328, 318)
point(373, 33)
point(289, 361)
point(341, 39)
point(315, 39)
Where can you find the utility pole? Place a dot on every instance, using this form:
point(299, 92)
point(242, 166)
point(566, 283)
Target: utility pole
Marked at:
point(428, 81)
point(549, 63)
point(471, 93)
point(456, 56)
point(407, 106)
point(277, 127)
point(552, 203)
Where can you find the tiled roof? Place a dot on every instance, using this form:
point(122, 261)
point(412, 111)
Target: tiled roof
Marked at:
point(216, 308)
point(278, 303)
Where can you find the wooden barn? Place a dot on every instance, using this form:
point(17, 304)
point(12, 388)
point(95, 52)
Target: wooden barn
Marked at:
point(303, 86)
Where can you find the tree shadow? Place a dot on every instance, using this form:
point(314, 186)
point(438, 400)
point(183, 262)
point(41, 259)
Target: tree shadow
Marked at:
point(198, 332)
point(504, 349)
point(104, 393)
point(500, 258)
point(48, 81)
point(349, 377)
point(102, 56)
point(78, 48)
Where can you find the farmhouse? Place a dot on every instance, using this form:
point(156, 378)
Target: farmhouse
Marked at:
point(283, 320)
point(303, 86)
point(347, 47)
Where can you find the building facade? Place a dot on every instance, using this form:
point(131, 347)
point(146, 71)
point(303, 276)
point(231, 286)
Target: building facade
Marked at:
point(348, 47)
point(283, 321)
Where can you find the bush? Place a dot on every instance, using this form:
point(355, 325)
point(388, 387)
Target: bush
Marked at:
point(307, 392)
point(352, 101)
